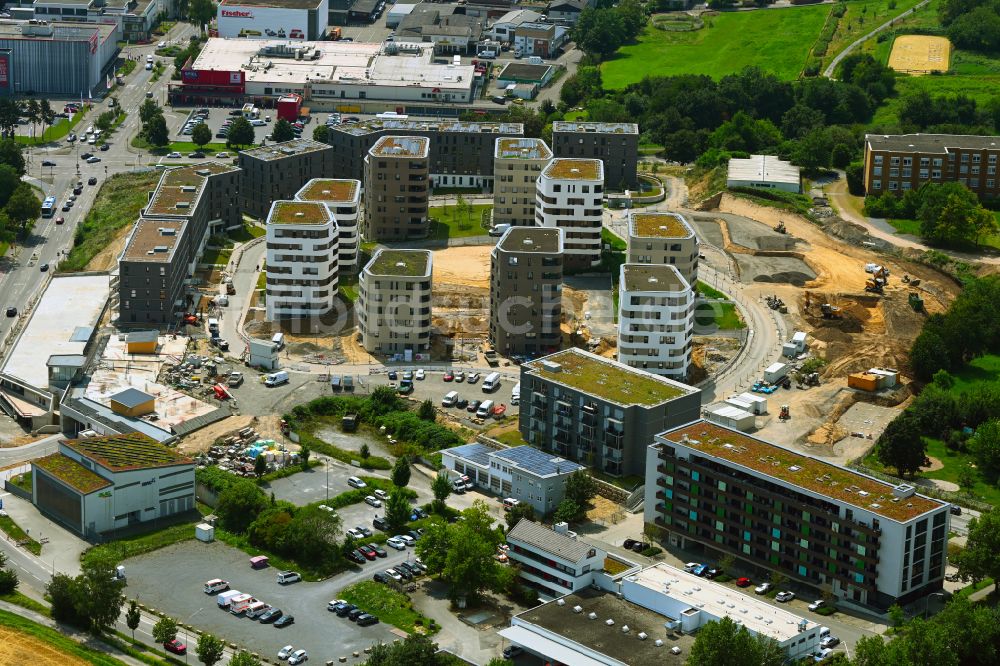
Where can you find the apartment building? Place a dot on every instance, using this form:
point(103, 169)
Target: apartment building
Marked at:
point(394, 302)
point(343, 199)
point(553, 561)
point(396, 189)
point(820, 524)
point(655, 319)
point(599, 412)
point(161, 253)
point(664, 238)
point(901, 162)
point(302, 259)
point(569, 195)
point(526, 271)
point(280, 170)
point(517, 163)
point(615, 144)
point(460, 153)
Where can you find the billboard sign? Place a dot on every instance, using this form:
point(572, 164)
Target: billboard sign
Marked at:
point(5, 71)
point(256, 22)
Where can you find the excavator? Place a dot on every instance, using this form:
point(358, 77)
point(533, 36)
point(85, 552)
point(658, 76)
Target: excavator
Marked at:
point(830, 311)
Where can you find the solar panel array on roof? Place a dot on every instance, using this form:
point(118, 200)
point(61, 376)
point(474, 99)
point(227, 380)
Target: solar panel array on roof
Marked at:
point(478, 454)
point(537, 461)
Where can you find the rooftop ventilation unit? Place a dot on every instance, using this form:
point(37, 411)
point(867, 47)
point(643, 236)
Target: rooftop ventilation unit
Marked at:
point(551, 366)
point(188, 188)
point(593, 616)
point(643, 636)
point(658, 642)
point(560, 602)
point(577, 609)
point(625, 629)
point(168, 231)
point(904, 490)
point(609, 622)
point(183, 204)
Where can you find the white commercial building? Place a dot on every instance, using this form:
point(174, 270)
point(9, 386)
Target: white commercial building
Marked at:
point(569, 195)
point(505, 27)
point(302, 254)
point(273, 19)
point(765, 171)
point(343, 199)
point(655, 319)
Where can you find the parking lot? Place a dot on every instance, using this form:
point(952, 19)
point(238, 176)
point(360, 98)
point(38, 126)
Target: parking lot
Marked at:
point(218, 116)
point(186, 567)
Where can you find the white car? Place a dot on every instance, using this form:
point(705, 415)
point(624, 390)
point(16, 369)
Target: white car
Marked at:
point(371, 500)
point(285, 652)
point(173, 155)
point(763, 588)
point(355, 482)
point(691, 566)
point(298, 657)
point(406, 538)
point(161, 45)
point(257, 122)
point(829, 642)
point(381, 494)
point(396, 542)
point(816, 605)
point(784, 596)
point(393, 575)
point(420, 374)
point(222, 155)
point(355, 533)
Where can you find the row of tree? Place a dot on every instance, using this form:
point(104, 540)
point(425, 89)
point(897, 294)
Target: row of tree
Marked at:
point(949, 213)
point(972, 24)
point(210, 649)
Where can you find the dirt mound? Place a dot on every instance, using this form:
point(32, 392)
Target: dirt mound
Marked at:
point(794, 278)
point(304, 348)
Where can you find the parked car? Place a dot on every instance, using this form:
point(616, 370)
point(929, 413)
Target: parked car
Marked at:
point(105, 147)
point(784, 596)
point(365, 532)
point(355, 533)
point(699, 570)
point(380, 577)
point(472, 378)
point(173, 155)
point(955, 510)
point(448, 376)
point(48, 163)
point(406, 538)
point(381, 494)
point(392, 375)
point(196, 155)
point(335, 605)
point(713, 573)
point(689, 567)
point(93, 160)
point(512, 651)
point(379, 550)
point(473, 406)
point(411, 569)
point(408, 375)
point(816, 605)
point(371, 500)
point(380, 524)
point(355, 614)
point(344, 610)
point(175, 646)
point(270, 615)
point(763, 588)
point(285, 652)
point(829, 642)
point(743, 582)
point(369, 553)
point(462, 403)
point(366, 619)
point(357, 556)
point(355, 482)
point(393, 574)
point(86, 156)
point(284, 621)
point(92, 180)
point(459, 376)
point(12, 311)
point(419, 374)
point(396, 542)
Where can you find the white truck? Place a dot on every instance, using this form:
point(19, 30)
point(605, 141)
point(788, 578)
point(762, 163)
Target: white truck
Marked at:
point(240, 603)
point(226, 598)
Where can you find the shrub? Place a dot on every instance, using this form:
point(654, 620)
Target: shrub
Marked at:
point(652, 551)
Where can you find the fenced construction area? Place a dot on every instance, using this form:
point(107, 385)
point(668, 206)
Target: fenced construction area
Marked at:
point(920, 54)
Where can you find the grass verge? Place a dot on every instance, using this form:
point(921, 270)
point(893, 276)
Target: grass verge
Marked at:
point(448, 223)
point(139, 545)
point(24, 601)
point(57, 641)
point(391, 607)
point(14, 531)
point(709, 292)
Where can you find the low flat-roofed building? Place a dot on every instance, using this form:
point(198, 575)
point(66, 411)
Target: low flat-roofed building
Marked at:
point(523, 72)
point(655, 319)
point(764, 171)
point(302, 254)
point(663, 238)
point(343, 198)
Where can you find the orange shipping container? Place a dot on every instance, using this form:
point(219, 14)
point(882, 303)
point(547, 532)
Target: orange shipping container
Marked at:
point(863, 381)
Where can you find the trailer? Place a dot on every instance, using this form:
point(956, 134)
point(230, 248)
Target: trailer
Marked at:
point(776, 372)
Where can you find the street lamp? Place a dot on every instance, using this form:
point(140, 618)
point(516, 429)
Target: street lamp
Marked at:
point(187, 636)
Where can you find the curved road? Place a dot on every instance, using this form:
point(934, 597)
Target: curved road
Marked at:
point(828, 72)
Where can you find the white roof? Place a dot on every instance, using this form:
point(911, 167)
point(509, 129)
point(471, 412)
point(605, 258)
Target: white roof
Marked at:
point(730, 412)
point(763, 168)
point(774, 367)
point(799, 336)
point(519, 16)
point(558, 651)
point(751, 397)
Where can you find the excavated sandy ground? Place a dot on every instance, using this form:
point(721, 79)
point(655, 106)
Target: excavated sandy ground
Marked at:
point(467, 265)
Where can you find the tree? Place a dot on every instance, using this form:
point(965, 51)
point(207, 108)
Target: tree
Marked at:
point(581, 488)
point(240, 133)
point(929, 354)
point(201, 12)
point(567, 511)
point(100, 597)
point(499, 661)
point(401, 472)
point(133, 617)
point(897, 616)
point(64, 595)
point(9, 180)
point(967, 479)
point(210, 649)
point(725, 643)
point(441, 487)
point(415, 650)
point(11, 153)
point(901, 445)
point(31, 113)
point(397, 511)
point(156, 132)
point(201, 134)
point(426, 411)
point(840, 156)
point(935, 410)
point(304, 454)
point(260, 466)
point(978, 30)
point(282, 131)
point(365, 452)
point(165, 630)
point(981, 557)
point(149, 110)
point(522, 510)
point(105, 120)
point(244, 658)
point(10, 114)
point(23, 207)
point(45, 114)
point(985, 446)
point(321, 133)
point(239, 505)
point(599, 32)
point(8, 580)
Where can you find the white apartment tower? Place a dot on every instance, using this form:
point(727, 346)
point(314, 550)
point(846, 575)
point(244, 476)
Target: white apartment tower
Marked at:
point(302, 254)
point(343, 199)
point(569, 195)
point(655, 319)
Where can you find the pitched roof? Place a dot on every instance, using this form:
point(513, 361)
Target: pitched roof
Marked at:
point(131, 397)
point(550, 541)
point(537, 462)
point(72, 473)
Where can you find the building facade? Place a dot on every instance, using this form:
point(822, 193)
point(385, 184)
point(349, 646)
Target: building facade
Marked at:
point(278, 171)
point(273, 19)
point(302, 259)
point(552, 561)
point(343, 199)
point(902, 162)
point(394, 302)
point(62, 58)
point(599, 412)
point(615, 144)
point(517, 163)
point(526, 272)
point(569, 195)
point(396, 189)
point(664, 238)
point(826, 526)
point(655, 319)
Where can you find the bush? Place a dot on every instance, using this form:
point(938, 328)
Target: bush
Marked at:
point(526, 596)
point(652, 551)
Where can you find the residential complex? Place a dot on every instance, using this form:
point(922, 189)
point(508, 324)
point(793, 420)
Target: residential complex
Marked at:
point(569, 195)
point(551, 561)
point(460, 153)
point(394, 302)
point(517, 163)
point(396, 189)
point(829, 527)
point(162, 250)
point(526, 272)
point(343, 199)
point(664, 238)
point(302, 254)
point(655, 319)
point(523, 473)
point(599, 412)
point(615, 144)
point(280, 170)
point(900, 162)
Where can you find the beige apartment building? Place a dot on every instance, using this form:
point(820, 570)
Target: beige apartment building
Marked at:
point(663, 238)
point(901, 162)
point(397, 184)
point(526, 271)
point(394, 302)
point(517, 164)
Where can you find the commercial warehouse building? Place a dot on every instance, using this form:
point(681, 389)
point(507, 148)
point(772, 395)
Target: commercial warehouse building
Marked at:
point(835, 529)
point(396, 189)
point(764, 171)
point(615, 144)
point(394, 302)
point(517, 163)
point(278, 171)
point(665, 239)
point(273, 19)
point(343, 199)
point(569, 195)
point(95, 485)
point(599, 412)
point(302, 269)
point(901, 162)
point(655, 319)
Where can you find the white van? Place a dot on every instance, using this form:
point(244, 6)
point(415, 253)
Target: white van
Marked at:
point(491, 383)
point(279, 339)
point(288, 577)
point(485, 409)
point(149, 58)
point(276, 378)
point(515, 395)
point(216, 585)
point(450, 399)
point(499, 230)
point(256, 608)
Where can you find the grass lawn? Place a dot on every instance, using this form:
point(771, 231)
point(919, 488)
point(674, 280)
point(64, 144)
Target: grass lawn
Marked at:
point(391, 607)
point(616, 243)
point(14, 531)
point(122, 549)
point(117, 205)
point(709, 292)
point(57, 131)
point(448, 224)
point(183, 147)
point(776, 41)
point(218, 257)
point(247, 233)
point(912, 227)
point(509, 437)
point(24, 601)
point(724, 315)
point(861, 18)
point(349, 292)
point(55, 640)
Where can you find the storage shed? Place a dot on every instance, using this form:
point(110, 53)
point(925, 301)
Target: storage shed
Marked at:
point(133, 402)
point(731, 417)
point(141, 342)
point(204, 532)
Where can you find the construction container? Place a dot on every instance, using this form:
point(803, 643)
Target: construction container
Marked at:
point(863, 381)
point(887, 377)
point(204, 532)
point(789, 350)
point(799, 340)
point(731, 417)
point(758, 403)
point(775, 373)
point(739, 403)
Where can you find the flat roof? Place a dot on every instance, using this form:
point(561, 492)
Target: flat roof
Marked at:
point(532, 239)
point(523, 149)
point(142, 336)
point(757, 615)
point(401, 146)
point(537, 462)
point(826, 479)
point(154, 240)
point(71, 473)
point(476, 453)
point(652, 277)
point(523, 71)
point(131, 397)
point(404, 263)
point(766, 168)
point(330, 190)
point(567, 168)
point(931, 143)
point(659, 225)
point(607, 379)
point(551, 542)
point(122, 453)
point(280, 4)
point(60, 31)
point(298, 212)
point(280, 151)
point(179, 188)
point(70, 303)
point(403, 126)
point(595, 128)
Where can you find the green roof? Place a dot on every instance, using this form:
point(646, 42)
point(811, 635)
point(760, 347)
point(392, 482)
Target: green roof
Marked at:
point(121, 453)
point(71, 473)
point(406, 263)
point(298, 212)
